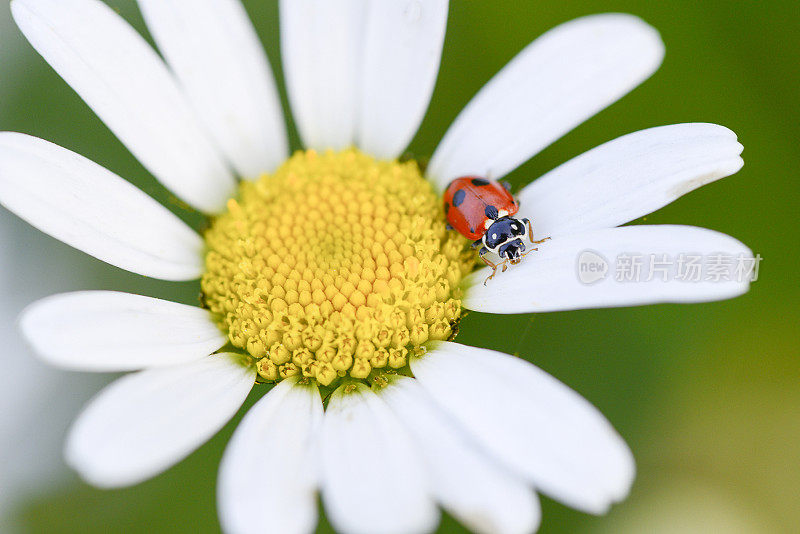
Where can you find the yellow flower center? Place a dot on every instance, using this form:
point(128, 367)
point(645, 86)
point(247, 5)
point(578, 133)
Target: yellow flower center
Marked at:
point(337, 264)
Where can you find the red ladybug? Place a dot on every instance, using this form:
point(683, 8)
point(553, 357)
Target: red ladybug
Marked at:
point(482, 210)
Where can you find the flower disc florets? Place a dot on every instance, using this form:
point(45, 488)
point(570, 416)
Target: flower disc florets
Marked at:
point(335, 265)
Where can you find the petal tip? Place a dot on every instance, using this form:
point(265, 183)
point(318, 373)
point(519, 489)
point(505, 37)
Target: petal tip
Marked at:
point(27, 324)
point(80, 459)
point(635, 26)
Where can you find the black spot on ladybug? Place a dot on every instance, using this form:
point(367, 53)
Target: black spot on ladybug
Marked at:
point(480, 182)
point(471, 230)
point(491, 212)
point(458, 197)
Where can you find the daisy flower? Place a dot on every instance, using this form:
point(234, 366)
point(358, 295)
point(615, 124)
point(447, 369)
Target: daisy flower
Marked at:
point(330, 272)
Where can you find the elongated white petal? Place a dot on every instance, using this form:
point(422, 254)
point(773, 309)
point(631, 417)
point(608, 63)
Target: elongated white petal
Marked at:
point(402, 49)
point(148, 421)
point(94, 210)
point(629, 177)
point(558, 81)
point(128, 86)
point(220, 63)
point(627, 266)
point(530, 422)
point(473, 487)
point(372, 479)
point(268, 475)
point(110, 331)
point(321, 45)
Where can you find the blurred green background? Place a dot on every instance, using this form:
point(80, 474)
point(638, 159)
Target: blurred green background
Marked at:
point(707, 395)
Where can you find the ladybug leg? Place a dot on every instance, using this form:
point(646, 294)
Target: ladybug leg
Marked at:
point(506, 184)
point(530, 229)
point(530, 234)
point(477, 243)
point(449, 227)
point(491, 264)
point(488, 262)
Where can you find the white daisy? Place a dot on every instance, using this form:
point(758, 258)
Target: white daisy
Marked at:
point(331, 271)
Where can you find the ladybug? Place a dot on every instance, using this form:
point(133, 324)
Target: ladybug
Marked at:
point(482, 210)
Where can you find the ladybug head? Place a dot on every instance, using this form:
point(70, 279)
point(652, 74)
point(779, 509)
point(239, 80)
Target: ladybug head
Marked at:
point(512, 251)
point(503, 231)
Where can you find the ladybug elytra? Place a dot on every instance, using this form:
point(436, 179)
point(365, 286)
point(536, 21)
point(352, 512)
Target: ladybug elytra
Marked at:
point(482, 210)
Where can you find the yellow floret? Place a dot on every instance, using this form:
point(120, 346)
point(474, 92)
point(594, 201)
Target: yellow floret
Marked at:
point(335, 265)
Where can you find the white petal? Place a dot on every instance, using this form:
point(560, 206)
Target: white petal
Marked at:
point(372, 479)
point(148, 421)
point(268, 475)
point(218, 59)
point(402, 49)
point(558, 81)
point(530, 422)
point(321, 45)
point(560, 276)
point(110, 331)
point(124, 81)
point(94, 210)
point(468, 483)
point(629, 177)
